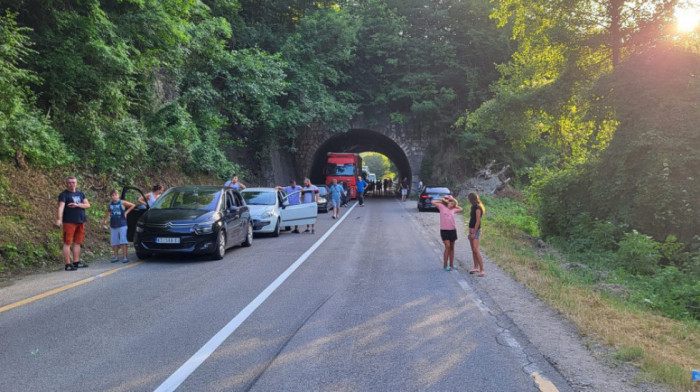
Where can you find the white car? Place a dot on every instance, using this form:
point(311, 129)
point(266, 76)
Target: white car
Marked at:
point(270, 210)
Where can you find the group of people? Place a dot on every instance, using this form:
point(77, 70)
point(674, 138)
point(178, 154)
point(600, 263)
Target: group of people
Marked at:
point(448, 207)
point(72, 216)
point(297, 194)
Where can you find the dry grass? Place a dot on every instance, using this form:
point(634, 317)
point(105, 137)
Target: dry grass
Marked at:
point(665, 349)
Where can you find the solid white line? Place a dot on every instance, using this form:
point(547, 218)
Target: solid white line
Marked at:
point(181, 374)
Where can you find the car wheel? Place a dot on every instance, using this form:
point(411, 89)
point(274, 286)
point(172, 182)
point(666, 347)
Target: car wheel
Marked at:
point(249, 236)
point(276, 232)
point(220, 249)
point(142, 255)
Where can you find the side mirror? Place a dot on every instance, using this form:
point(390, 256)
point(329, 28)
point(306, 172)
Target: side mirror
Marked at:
point(233, 208)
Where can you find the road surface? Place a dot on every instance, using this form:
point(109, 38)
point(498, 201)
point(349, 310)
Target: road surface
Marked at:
point(362, 305)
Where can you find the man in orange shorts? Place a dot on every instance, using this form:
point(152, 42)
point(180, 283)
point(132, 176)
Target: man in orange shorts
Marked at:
point(72, 204)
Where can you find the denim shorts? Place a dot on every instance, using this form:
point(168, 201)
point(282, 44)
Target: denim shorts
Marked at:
point(118, 236)
point(478, 233)
point(335, 202)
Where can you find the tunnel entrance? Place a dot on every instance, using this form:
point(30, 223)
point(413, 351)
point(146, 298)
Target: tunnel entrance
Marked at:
point(357, 141)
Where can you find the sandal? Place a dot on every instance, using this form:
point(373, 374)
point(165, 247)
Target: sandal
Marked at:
point(481, 274)
point(474, 271)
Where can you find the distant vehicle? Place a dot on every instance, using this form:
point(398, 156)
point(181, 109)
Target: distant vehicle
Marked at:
point(270, 210)
point(195, 219)
point(324, 198)
point(430, 193)
point(344, 167)
point(371, 177)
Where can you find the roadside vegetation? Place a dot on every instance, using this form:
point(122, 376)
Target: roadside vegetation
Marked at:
point(650, 320)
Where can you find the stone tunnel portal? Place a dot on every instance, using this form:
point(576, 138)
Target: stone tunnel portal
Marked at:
point(357, 141)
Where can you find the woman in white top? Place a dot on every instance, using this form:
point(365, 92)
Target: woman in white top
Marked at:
point(234, 183)
point(152, 196)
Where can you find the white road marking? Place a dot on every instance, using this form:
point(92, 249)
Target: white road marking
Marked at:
point(181, 374)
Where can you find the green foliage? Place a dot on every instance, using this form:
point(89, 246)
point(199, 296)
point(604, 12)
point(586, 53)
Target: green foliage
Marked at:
point(510, 215)
point(659, 276)
point(24, 132)
point(379, 164)
point(639, 253)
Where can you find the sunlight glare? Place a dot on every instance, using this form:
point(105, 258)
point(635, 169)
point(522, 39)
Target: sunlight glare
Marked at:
point(687, 19)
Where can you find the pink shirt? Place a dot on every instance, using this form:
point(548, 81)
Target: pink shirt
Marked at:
point(447, 217)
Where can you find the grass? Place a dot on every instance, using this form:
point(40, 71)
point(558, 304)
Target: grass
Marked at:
point(664, 349)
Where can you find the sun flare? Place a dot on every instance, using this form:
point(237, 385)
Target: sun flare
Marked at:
point(687, 19)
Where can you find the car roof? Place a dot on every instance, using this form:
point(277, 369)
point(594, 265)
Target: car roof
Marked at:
point(197, 187)
point(259, 189)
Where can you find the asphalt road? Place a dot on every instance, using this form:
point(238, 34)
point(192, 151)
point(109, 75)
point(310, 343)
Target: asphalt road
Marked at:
point(366, 307)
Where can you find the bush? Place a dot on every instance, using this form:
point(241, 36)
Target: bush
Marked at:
point(639, 253)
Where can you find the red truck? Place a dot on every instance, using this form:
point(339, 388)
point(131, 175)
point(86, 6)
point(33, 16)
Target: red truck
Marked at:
point(344, 166)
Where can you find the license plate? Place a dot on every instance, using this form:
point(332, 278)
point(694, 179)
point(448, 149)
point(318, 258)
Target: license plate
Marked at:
point(167, 240)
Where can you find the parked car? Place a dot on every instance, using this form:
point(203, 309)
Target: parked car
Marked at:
point(270, 210)
point(324, 198)
point(190, 219)
point(430, 193)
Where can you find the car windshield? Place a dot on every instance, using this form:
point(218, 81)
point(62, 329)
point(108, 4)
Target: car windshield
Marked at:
point(322, 190)
point(259, 198)
point(346, 169)
point(189, 199)
point(437, 190)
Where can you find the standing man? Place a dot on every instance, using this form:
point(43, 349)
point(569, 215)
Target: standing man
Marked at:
point(292, 191)
point(420, 185)
point(361, 184)
point(72, 204)
point(404, 188)
point(311, 195)
point(337, 194)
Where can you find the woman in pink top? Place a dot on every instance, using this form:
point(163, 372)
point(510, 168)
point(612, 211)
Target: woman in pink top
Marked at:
point(448, 207)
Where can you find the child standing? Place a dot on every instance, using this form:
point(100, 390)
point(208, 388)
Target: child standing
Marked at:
point(448, 207)
point(117, 223)
point(477, 212)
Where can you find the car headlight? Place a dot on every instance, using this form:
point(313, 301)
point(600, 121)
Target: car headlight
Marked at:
point(321, 200)
point(266, 214)
point(202, 228)
point(139, 229)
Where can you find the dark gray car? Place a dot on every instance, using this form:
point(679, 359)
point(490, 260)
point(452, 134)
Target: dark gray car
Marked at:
point(430, 193)
point(190, 219)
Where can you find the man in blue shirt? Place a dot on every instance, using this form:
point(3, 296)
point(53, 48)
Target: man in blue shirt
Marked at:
point(293, 192)
point(361, 184)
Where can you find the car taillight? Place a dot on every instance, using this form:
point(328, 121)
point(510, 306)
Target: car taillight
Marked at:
point(425, 196)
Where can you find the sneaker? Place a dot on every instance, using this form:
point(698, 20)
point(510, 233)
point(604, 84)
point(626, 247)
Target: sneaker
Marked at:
point(447, 268)
point(333, 216)
point(313, 231)
point(78, 264)
point(114, 260)
point(295, 231)
point(125, 260)
point(70, 267)
point(307, 231)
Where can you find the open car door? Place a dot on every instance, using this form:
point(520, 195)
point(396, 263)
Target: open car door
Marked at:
point(132, 195)
point(298, 214)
